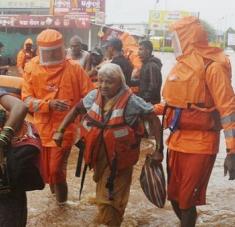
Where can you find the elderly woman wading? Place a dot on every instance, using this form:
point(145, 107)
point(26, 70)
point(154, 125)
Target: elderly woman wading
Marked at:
point(112, 132)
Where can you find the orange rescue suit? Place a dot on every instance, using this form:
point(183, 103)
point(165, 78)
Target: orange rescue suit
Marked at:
point(130, 48)
point(200, 85)
point(66, 81)
point(23, 57)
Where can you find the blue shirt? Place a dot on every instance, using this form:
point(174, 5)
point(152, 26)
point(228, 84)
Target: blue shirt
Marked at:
point(3, 92)
point(135, 107)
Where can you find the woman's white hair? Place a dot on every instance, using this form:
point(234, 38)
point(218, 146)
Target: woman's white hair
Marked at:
point(112, 70)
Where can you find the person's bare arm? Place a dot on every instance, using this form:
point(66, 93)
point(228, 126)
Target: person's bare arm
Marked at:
point(17, 111)
point(155, 130)
point(69, 118)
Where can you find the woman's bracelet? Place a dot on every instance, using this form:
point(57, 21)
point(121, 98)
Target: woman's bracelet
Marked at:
point(5, 137)
point(9, 128)
point(9, 131)
point(4, 140)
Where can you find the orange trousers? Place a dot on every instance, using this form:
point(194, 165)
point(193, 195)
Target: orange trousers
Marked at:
point(54, 164)
point(188, 177)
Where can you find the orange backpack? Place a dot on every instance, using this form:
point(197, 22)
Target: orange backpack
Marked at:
point(185, 85)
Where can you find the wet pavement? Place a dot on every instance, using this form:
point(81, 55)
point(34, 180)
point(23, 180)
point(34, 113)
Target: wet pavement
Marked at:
point(219, 211)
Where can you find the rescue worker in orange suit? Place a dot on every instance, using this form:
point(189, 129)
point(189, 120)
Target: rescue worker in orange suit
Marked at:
point(25, 55)
point(111, 145)
point(199, 101)
point(130, 49)
point(53, 84)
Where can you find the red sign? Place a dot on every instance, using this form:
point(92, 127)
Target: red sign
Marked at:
point(81, 21)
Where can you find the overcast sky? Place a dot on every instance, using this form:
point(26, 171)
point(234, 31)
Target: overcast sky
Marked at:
point(219, 13)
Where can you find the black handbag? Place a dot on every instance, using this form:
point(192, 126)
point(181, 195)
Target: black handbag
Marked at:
point(23, 168)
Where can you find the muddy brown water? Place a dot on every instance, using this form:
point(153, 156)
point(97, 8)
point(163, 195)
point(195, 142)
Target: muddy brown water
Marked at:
point(219, 211)
point(43, 210)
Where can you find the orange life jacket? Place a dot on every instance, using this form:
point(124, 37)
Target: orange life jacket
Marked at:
point(12, 85)
point(121, 141)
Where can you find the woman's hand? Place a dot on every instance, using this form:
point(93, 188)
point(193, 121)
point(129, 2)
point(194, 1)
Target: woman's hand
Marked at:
point(58, 138)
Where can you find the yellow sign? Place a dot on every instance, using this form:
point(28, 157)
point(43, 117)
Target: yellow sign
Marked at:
point(160, 20)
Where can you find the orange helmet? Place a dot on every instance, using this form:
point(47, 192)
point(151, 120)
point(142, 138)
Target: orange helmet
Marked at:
point(51, 47)
point(190, 33)
point(190, 36)
point(28, 41)
point(49, 38)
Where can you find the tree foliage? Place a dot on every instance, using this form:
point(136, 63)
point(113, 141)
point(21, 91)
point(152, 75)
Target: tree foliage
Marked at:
point(211, 31)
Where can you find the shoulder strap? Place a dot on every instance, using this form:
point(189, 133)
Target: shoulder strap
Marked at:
point(208, 64)
point(161, 148)
point(110, 181)
point(81, 146)
point(82, 181)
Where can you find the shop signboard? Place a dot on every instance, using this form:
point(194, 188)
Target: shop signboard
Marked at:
point(161, 20)
point(29, 21)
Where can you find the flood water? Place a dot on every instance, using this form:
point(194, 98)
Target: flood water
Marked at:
point(219, 211)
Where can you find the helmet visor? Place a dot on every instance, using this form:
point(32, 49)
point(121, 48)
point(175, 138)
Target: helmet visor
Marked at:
point(175, 43)
point(51, 55)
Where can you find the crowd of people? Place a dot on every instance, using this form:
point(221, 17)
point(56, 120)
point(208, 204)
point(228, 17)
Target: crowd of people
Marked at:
point(95, 91)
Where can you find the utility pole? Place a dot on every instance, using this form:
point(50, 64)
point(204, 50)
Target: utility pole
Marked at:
point(164, 30)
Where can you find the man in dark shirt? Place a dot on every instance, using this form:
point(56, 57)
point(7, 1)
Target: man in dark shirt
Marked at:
point(114, 52)
point(150, 81)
